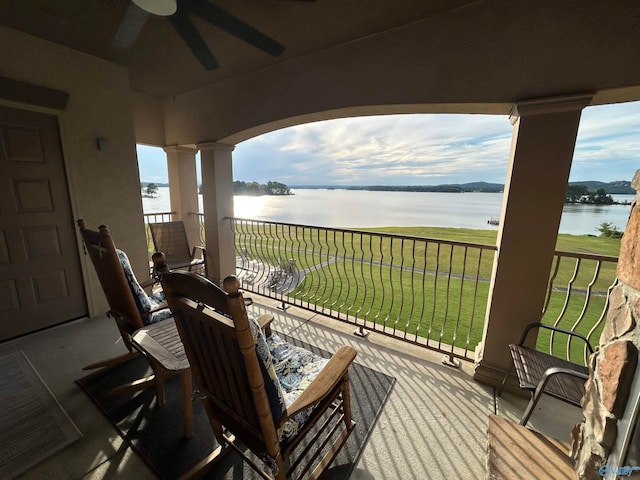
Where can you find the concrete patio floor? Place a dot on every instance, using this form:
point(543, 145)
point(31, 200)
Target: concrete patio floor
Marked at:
point(433, 425)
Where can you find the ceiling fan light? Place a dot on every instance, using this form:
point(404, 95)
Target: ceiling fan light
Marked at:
point(164, 8)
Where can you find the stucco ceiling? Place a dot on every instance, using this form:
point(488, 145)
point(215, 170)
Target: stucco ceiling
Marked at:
point(418, 51)
point(162, 65)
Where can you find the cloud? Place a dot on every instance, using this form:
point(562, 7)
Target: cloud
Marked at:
point(418, 150)
point(608, 143)
point(398, 149)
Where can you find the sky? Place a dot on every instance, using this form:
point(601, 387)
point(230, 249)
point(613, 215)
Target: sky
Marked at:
point(418, 149)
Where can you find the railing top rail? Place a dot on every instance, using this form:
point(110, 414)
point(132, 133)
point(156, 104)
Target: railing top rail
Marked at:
point(483, 246)
point(587, 256)
point(151, 214)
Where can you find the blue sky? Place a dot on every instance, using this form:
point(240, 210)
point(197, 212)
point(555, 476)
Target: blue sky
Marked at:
point(418, 150)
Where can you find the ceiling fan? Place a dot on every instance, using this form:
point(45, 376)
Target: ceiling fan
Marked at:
point(178, 14)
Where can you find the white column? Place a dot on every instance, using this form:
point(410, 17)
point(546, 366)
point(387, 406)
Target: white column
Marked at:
point(217, 199)
point(183, 191)
point(542, 147)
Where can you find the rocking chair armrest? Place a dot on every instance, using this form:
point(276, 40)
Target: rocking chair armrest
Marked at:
point(161, 306)
point(324, 383)
point(264, 321)
point(124, 323)
point(148, 283)
point(532, 326)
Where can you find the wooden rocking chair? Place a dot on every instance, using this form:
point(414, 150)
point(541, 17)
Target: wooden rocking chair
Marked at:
point(239, 372)
point(129, 304)
point(170, 238)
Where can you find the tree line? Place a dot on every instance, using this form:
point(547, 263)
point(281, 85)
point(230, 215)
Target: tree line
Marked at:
point(581, 194)
point(255, 188)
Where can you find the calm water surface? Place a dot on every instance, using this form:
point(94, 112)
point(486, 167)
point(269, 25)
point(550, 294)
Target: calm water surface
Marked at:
point(361, 209)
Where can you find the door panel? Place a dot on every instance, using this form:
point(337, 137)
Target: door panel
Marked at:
point(40, 276)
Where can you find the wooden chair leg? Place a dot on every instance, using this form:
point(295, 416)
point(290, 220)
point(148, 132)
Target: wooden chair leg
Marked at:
point(218, 431)
point(346, 401)
point(187, 403)
point(134, 386)
point(504, 381)
point(204, 465)
point(112, 361)
point(281, 467)
point(160, 375)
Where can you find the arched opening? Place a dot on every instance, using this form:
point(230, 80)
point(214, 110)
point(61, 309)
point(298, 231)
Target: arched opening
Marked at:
point(359, 173)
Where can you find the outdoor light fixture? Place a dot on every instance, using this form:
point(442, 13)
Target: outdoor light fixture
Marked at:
point(164, 8)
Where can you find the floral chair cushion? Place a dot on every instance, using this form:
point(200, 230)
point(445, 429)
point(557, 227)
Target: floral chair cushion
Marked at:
point(145, 303)
point(296, 368)
point(156, 300)
point(271, 382)
point(287, 370)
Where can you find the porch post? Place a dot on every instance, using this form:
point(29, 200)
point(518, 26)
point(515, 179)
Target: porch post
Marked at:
point(217, 200)
point(183, 194)
point(542, 147)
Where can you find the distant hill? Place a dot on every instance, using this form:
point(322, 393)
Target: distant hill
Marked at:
point(450, 187)
point(620, 187)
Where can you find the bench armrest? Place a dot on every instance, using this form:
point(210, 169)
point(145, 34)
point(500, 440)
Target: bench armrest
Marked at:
point(203, 252)
point(533, 326)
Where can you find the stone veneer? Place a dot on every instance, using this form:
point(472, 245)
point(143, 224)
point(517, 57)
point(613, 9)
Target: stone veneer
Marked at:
point(613, 366)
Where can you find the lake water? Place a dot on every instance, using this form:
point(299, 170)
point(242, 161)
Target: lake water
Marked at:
point(361, 209)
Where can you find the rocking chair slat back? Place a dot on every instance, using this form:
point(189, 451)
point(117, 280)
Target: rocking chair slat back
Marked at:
point(223, 352)
point(102, 251)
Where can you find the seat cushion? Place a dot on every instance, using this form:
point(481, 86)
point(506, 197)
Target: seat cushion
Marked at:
point(296, 368)
point(144, 302)
point(271, 381)
point(156, 300)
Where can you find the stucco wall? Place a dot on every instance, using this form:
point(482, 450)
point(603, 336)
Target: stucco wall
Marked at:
point(148, 119)
point(471, 60)
point(104, 185)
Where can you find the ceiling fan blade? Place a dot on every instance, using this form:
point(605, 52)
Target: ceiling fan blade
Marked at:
point(187, 30)
point(130, 27)
point(227, 22)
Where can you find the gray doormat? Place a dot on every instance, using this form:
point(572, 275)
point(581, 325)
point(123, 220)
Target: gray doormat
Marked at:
point(33, 424)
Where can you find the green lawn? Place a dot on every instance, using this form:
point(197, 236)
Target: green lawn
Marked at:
point(568, 243)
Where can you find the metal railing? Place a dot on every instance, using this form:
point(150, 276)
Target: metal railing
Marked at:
point(577, 299)
point(158, 217)
point(425, 291)
point(428, 292)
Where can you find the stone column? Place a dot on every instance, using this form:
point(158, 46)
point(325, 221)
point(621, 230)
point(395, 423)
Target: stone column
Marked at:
point(612, 391)
point(181, 165)
point(542, 147)
point(217, 199)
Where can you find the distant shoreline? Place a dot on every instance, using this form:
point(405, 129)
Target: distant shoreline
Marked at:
point(611, 188)
point(360, 209)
